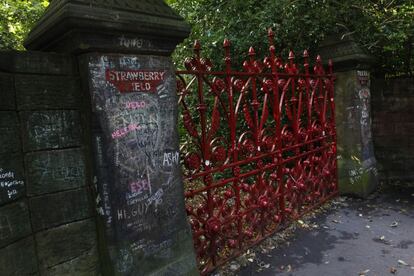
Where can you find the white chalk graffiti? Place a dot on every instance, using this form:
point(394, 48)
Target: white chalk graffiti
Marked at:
point(355, 175)
point(8, 182)
point(364, 95)
point(171, 158)
point(131, 42)
point(138, 210)
point(156, 198)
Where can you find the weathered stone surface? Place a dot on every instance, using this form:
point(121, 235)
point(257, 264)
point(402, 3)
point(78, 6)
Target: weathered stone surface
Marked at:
point(345, 53)
point(69, 242)
point(12, 180)
point(116, 26)
point(357, 172)
point(9, 132)
point(19, 258)
point(37, 63)
point(52, 171)
point(393, 128)
point(51, 129)
point(142, 197)
point(7, 95)
point(59, 208)
point(14, 222)
point(47, 92)
point(86, 264)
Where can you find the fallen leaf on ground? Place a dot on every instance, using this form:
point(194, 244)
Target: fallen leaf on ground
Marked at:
point(394, 224)
point(393, 270)
point(363, 273)
point(401, 262)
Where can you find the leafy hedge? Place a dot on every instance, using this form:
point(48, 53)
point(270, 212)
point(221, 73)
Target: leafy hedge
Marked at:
point(384, 27)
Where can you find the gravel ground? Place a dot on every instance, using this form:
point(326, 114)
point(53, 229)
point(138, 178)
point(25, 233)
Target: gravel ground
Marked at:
point(347, 236)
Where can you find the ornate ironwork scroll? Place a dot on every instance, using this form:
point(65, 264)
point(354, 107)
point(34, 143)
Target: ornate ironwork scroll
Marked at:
point(258, 147)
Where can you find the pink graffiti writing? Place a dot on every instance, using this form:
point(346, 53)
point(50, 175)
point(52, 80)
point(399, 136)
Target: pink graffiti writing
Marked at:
point(135, 105)
point(139, 186)
point(124, 131)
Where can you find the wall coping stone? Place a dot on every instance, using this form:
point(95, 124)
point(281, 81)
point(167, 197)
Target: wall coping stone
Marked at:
point(123, 26)
point(345, 53)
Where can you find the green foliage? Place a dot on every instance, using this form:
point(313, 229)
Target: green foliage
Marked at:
point(16, 19)
point(384, 27)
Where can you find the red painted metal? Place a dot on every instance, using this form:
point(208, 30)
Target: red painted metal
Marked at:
point(258, 146)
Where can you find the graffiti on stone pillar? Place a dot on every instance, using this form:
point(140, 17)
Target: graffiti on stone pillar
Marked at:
point(364, 94)
point(137, 168)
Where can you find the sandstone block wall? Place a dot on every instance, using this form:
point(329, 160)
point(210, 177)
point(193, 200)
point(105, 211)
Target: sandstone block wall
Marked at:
point(47, 221)
point(393, 128)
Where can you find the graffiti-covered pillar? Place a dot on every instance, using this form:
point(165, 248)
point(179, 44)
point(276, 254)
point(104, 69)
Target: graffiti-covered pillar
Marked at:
point(123, 48)
point(357, 171)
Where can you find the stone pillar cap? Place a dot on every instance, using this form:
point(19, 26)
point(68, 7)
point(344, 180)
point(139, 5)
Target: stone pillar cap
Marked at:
point(131, 26)
point(345, 53)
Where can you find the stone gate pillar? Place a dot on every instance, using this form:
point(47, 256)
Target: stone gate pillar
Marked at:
point(123, 48)
point(357, 170)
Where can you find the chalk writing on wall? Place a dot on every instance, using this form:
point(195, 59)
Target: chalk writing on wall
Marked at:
point(135, 80)
point(139, 190)
point(48, 171)
point(9, 183)
point(131, 42)
point(52, 129)
point(364, 96)
point(134, 104)
point(161, 250)
point(355, 175)
point(100, 181)
point(125, 130)
point(171, 158)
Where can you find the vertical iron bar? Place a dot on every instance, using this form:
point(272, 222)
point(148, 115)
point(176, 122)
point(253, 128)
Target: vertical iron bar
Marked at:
point(278, 121)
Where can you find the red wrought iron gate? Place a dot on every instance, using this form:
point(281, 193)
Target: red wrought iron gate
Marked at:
point(258, 146)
